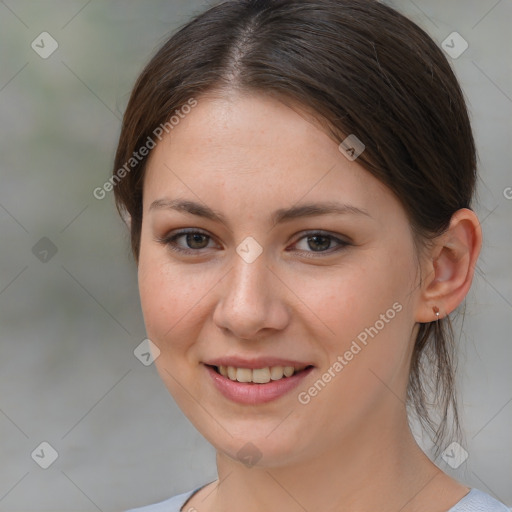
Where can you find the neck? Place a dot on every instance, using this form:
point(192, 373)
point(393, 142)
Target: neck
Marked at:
point(378, 466)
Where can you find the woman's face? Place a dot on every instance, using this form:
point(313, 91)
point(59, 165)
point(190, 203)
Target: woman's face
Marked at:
point(294, 256)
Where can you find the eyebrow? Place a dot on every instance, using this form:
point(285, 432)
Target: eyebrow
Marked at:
point(281, 215)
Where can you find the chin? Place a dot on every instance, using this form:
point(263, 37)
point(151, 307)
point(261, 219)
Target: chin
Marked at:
point(257, 450)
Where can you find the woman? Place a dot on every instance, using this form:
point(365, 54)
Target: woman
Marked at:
point(297, 177)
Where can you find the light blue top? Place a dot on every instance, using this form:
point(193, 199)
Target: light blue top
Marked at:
point(474, 501)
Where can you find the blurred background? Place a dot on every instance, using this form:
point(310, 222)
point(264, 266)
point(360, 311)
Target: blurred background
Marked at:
point(74, 398)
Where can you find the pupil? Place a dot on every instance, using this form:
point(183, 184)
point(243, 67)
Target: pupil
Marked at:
point(319, 243)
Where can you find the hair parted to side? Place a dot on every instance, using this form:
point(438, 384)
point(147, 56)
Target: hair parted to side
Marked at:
point(361, 68)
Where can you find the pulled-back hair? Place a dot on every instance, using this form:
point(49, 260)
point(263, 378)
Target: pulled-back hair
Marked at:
point(361, 68)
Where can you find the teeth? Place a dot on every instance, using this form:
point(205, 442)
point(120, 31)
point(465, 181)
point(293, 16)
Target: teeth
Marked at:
point(243, 375)
point(276, 372)
point(258, 375)
point(288, 371)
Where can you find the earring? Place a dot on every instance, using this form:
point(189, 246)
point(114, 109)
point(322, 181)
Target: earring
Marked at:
point(436, 311)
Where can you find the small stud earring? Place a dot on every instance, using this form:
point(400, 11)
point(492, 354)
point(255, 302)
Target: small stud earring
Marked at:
point(436, 311)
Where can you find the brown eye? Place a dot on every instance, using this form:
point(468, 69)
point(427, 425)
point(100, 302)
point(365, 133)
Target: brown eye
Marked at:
point(319, 242)
point(197, 240)
point(191, 241)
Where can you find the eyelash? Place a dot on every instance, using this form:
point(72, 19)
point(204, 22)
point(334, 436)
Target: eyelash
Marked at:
point(171, 242)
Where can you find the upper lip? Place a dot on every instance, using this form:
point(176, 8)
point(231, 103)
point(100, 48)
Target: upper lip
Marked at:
point(259, 362)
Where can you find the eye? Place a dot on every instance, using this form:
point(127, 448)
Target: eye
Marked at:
point(194, 241)
point(319, 242)
point(188, 241)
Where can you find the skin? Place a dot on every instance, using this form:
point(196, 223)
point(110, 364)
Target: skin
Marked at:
point(350, 448)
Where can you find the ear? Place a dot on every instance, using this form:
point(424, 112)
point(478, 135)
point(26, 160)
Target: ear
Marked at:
point(448, 269)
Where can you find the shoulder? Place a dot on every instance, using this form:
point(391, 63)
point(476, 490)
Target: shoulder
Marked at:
point(173, 504)
point(478, 501)
point(474, 501)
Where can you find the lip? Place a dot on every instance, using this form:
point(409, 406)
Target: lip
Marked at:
point(259, 362)
point(249, 393)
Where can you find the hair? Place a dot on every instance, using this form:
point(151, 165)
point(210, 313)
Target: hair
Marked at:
point(361, 68)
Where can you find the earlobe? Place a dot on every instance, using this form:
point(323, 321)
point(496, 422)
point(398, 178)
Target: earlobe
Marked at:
point(450, 267)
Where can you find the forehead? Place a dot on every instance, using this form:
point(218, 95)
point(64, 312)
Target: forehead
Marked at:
point(254, 151)
point(251, 130)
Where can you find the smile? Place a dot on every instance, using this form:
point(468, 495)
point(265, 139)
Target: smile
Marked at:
point(257, 385)
point(258, 375)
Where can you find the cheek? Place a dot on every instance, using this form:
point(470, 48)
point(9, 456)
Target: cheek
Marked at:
point(354, 297)
point(367, 307)
point(169, 300)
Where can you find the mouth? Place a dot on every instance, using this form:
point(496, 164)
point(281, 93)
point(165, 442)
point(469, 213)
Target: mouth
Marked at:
point(262, 375)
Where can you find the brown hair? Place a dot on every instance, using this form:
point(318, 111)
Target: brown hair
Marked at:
point(363, 69)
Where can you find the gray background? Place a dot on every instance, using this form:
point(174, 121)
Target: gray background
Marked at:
point(69, 325)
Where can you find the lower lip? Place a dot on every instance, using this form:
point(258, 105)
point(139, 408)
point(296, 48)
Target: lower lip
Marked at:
point(250, 393)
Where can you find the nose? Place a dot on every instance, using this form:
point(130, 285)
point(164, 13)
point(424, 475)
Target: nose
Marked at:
point(252, 301)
